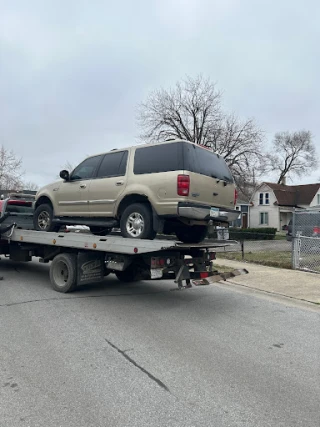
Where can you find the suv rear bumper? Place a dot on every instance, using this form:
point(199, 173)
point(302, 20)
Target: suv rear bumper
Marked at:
point(202, 212)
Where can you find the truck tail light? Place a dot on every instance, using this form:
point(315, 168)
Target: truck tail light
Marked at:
point(157, 262)
point(235, 196)
point(183, 185)
point(204, 274)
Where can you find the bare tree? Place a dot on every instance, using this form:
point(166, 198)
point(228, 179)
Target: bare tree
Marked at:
point(295, 154)
point(240, 144)
point(29, 185)
point(192, 111)
point(10, 170)
point(189, 111)
point(68, 166)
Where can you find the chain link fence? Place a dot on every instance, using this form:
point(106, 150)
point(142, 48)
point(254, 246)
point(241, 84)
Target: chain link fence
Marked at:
point(266, 249)
point(306, 240)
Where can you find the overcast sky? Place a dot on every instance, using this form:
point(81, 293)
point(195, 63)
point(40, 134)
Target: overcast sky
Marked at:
point(73, 71)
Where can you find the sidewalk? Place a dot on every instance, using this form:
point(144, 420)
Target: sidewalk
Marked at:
point(291, 283)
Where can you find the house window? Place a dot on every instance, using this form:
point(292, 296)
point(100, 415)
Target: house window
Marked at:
point(264, 199)
point(264, 218)
point(318, 199)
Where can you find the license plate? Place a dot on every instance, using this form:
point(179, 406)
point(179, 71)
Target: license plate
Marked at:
point(214, 212)
point(156, 273)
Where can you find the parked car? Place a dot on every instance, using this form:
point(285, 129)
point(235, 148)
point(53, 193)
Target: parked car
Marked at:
point(307, 224)
point(171, 187)
point(20, 208)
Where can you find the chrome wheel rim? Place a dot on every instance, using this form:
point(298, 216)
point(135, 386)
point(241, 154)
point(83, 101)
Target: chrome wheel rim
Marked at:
point(44, 220)
point(135, 224)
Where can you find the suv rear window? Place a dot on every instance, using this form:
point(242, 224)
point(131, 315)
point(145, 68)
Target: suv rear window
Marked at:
point(180, 156)
point(205, 162)
point(158, 158)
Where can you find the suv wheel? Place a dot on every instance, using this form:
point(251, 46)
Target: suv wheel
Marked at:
point(136, 222)
point(43, 219)
point(192, 234)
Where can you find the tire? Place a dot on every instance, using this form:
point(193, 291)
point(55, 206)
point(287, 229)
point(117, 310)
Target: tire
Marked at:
point(192, 234)
point(136, 222)
point(125, 276)
point(63, 272)
point(135, 272)
point(43, 219)
point(100, 231)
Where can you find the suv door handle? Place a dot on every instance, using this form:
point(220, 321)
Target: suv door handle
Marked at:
point(83, 186)
point(119, 183)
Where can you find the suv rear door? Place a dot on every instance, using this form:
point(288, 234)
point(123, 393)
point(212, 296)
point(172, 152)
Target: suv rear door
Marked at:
point(211, 182)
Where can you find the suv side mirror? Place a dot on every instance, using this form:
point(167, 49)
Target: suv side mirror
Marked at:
point(65, 175)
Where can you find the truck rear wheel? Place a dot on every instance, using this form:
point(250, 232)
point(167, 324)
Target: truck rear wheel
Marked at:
point(192, 234)
point(135, 272)
point(63, 272)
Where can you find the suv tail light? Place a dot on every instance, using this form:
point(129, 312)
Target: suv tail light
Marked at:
point(183, 185)
point(235, 196)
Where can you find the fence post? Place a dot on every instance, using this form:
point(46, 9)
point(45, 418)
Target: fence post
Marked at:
point(242, 249)
point(296, 252)
point(293, 246)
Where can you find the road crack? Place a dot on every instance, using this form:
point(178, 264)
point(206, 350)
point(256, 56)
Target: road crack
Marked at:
point(152, 377)
point(9, 304)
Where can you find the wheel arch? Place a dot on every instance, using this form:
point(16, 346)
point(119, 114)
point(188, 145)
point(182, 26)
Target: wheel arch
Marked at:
point(43, 200)
point(129, 200)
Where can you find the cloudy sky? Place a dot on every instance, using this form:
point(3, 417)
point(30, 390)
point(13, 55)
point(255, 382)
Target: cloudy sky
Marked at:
point(73, 71)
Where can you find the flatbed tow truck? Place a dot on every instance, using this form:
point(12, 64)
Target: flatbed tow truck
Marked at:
point(82, 258)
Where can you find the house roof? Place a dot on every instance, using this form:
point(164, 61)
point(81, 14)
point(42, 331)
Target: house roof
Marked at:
point(294, 195)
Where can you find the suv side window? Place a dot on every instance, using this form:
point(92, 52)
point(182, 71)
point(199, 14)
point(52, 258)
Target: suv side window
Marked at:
point(158, 158)
point(86, 169)
point(113, 164)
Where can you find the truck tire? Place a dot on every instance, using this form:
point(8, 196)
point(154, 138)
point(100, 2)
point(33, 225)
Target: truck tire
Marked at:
point(125, 276)
point(192, 234)
point(43, 219)
point(135, 272)
point(63, 272)
point(136, 222)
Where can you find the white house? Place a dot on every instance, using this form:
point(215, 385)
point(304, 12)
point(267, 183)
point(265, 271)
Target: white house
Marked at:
point(271, 205)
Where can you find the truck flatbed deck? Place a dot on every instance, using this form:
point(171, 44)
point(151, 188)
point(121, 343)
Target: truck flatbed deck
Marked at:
point(81, 258)
point(110, 243)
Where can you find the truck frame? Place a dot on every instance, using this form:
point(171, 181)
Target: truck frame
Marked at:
point(83, 258)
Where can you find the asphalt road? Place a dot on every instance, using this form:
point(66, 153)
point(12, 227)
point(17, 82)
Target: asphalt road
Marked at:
point(141, 355)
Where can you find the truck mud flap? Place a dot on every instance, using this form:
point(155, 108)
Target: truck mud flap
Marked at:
point(90, 268)
point(219, 277)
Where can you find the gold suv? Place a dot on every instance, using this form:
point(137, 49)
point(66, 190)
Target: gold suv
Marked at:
point(172, 187)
